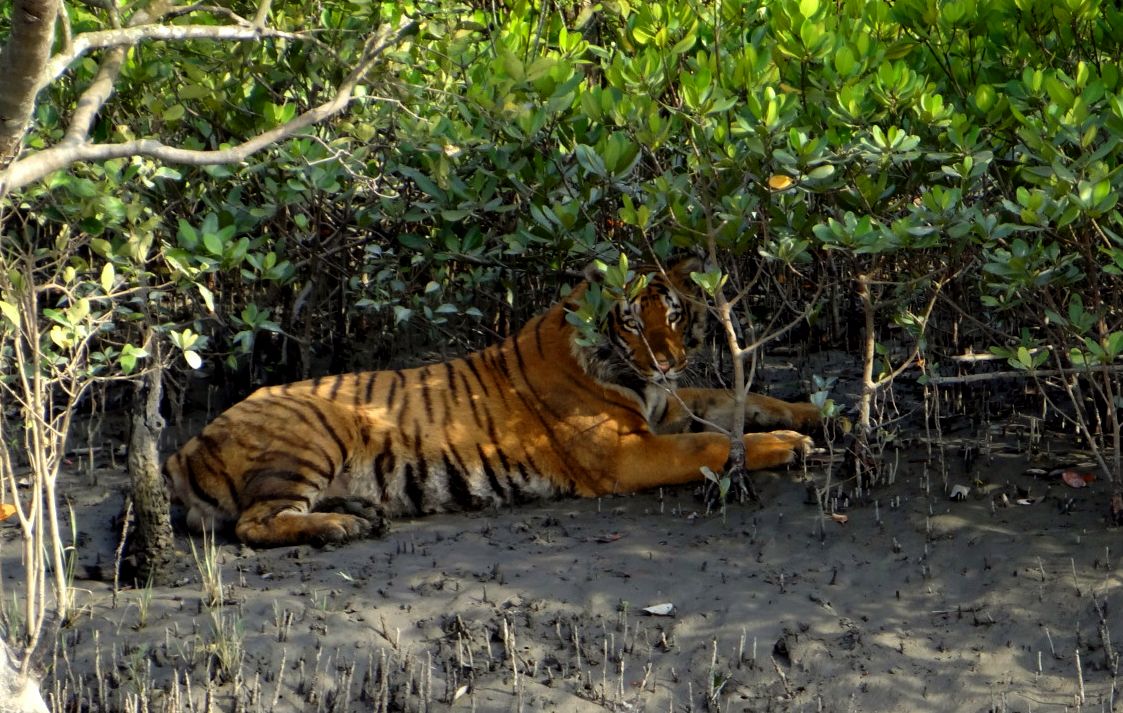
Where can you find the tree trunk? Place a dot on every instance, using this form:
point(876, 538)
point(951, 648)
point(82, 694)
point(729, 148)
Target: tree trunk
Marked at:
point(151, 545)
point(21, 66)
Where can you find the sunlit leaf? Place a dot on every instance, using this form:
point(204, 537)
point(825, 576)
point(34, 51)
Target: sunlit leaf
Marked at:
point(779, 182)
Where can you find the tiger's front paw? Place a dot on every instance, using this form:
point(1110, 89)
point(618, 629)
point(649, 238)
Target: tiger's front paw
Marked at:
point(338, 528)
point(362, 508)
point(777, 448)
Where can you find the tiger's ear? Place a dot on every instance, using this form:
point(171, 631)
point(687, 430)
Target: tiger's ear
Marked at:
point(680, 270)
point(593, 273)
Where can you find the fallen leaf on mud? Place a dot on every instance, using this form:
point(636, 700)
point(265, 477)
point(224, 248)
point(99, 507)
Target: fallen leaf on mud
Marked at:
point(1026, 501)
point(960, 492)
point(1036, 472)
point(1074, 479)
point(667, 609)
point(460, 692)
point(610, 537)
point(840, 518)
point(6, 511)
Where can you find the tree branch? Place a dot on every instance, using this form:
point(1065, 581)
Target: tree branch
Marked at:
point(29, 48)
point(46, 162)
point(131, 36)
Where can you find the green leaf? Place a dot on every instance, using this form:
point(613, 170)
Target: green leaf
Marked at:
point(187, 235)
point(1114, 345)
point(213, 243)
point(590, 160)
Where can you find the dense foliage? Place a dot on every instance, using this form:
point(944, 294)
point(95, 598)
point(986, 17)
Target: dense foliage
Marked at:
point(945, 171)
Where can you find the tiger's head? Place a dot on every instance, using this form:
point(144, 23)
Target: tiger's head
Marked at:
point(650, 335)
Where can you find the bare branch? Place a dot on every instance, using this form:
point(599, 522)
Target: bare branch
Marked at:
point(46, 162)
point(131, 36)
point(94, 98)
point(1019, 374)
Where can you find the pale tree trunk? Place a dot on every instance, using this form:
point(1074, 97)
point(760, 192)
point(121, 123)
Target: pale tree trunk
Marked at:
point(21, 66)
point(151, 544)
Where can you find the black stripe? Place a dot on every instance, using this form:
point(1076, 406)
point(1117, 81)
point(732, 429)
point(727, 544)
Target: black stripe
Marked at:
point(427, 400)
point(285, 504)
point(448, 408)
point(539, 402)
point(538, 338)
point(384, 464)
point(293, 406)
point(327, 475)
point(461, 466)
point(356, 392)
point(210, 444)
point(335, 387)
point(519, 359)
point(474, 403)
point(601, 394)
point(211, 459)
point(492, 479)
point(371, 378)
point(405, 400)
point(502, 364)
point(517, 486)
point(471, 362)
point(295, 443)
point(267, 479)
point(450, 376)
point(196, 487)
point(503, 462)
point(457, 484)
point(412, 489)
point(398, 380)
point(343, 450)
point(422, 480)
point(492, 434)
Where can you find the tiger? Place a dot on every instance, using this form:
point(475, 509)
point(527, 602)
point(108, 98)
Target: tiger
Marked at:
point(541, 414)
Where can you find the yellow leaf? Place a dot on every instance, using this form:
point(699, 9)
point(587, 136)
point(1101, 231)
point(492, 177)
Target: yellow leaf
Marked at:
point(6, 511)
point(11, 313)
point(779, 182)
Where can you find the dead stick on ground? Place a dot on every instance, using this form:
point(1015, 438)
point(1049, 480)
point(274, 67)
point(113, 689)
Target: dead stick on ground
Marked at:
point(783, 678)
point(121, 548)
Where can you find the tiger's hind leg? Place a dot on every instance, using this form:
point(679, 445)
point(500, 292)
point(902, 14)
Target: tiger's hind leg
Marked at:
point(278, 523)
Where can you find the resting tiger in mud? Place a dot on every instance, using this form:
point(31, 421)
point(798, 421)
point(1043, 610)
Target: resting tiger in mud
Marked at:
point(535, 416)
